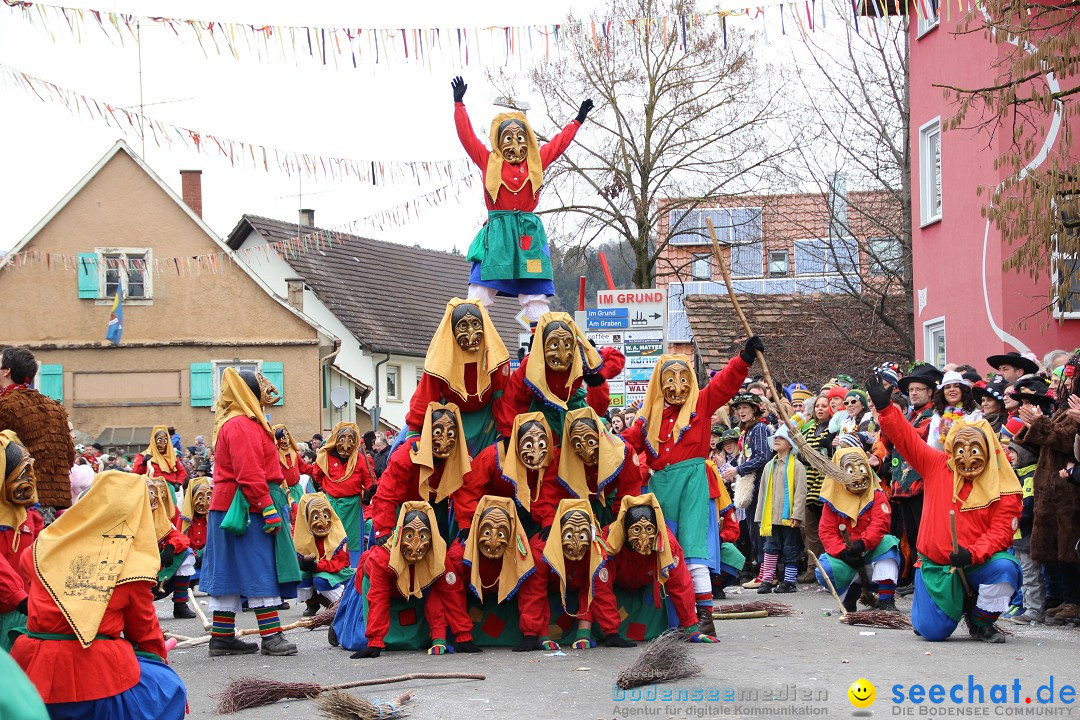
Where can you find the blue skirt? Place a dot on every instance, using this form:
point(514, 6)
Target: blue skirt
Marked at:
point(159, 695)
point(512, 288)
point(349, 623)
point(241, 564)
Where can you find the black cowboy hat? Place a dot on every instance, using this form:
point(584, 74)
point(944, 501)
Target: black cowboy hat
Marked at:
point(924, 373)
point(995, 389)
point(1016, 360)
point(1032, 390)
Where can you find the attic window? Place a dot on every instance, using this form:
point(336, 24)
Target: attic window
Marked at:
point(128, 270)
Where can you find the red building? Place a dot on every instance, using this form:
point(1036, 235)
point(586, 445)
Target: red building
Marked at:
point(966, 306)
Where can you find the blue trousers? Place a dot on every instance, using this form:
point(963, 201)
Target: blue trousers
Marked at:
point(931, 621)
point(159, 695)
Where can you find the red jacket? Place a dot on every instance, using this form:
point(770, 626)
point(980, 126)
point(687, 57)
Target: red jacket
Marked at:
point(983, 532)
point(633, 571)
point(13, 583)
point(197, 533)
point(177, 539)
point(360, 480)
point(535, 611)
point(335, 563)
point(486, 478)
point(873, 525)
point(729, 525)
point(400, 482)
point(292, 474)
point(62, 671)
point(245, 457)
point(695, 439)
point(176, 477)
point(626, 482)
point(444, 600)
point(431, 389)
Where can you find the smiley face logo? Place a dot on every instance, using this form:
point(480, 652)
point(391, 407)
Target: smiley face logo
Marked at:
point(862, 693)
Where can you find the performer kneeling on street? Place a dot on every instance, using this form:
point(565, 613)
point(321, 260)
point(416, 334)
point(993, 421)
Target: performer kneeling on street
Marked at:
point(860, 507)
point(322, 550)
point(971, 484)
point(174, 548)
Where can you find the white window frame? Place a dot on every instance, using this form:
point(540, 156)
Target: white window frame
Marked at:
point(926, 24)
point(788, 272)
point(930, 327)
point(396, 395)
point(696, 258)
point(124, 252)
point(929, 175)
point(419, 374)
point(219, 367)
point(1058, 313)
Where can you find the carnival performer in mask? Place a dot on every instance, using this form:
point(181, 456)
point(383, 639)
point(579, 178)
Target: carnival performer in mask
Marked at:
point(971, 477)
point(468, 365)
point(322, 552)
point(413, 565)
point(91, 607)
point(159, 460)
point(643, 553)
point(510, 254)
point(732, 560)
point(570, 557)
point(193, 520)
point(247, 554)
point(177, 560)
point(20, 524)
point(292, 465)
point(859, 504)
point(432, 468)
point(341, 471)
point(673, 429)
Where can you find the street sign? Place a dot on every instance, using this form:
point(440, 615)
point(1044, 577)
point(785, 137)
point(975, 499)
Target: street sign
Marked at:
point(635, 323)
point(607, 318)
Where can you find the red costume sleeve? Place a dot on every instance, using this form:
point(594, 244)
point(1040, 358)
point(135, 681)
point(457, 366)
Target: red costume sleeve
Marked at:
point(247, 462)
point(428, 390)
point(12, 587)
point(722, 387)
point(680, 587)
point(515, 399)
point(338, 562)
point(629, 480)
point(551, 492)
point(604, 610)
point(635, 436)
point(925, 459)
point(392, 491)
point(828, 531)
point(177, 539)
point(879, 521)
point(534, 611)
point(444, 607)
point(551, 150)
point(474, 147)
point(381, 581)
point(598, 397)
point(729, 530)
point(304, 466)
point(140, 618)
point(468, 495)
point(363, 468)
point(999, 535)
point(138, 465)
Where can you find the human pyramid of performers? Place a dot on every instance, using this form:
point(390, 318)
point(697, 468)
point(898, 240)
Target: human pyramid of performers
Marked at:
point(510, 513)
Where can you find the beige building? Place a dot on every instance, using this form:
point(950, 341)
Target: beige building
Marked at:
point(122, 227)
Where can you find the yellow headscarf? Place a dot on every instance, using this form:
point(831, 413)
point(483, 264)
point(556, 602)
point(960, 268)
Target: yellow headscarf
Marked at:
point(517, 562)
point(493, 178)
point(165, 494)
point(446, 360)
point(839, 497)
point(609, 463)
point(665, 559)
point(168, 460)
point(723, 501)
point(428, 570)
point(187, 513)
point(288, 457)
point(162, 517)
point(586, 357)
point(302, 537)
point(322, 458)
point(237, 400)
point(553, 552)
point(104, 540)
point(652, 408)
point(996, 480)
point(454, 468)
point(13, 516)
point(510, 464)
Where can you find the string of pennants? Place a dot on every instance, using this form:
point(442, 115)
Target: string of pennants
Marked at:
point(423, 47)
point(307, 240)
point(239, 153)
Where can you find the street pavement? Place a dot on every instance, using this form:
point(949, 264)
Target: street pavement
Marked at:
point(797, 666)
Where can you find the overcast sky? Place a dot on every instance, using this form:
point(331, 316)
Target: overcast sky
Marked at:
point(366, 113)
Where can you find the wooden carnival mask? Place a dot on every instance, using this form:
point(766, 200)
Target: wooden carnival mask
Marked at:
point(857, 472)
point(513, 142)
point(559, 345)
point(161, 442)
point(675, 382)
point(576, 534)
point(268, 393)
point(970, 453)
point(494, 533)
point(532, 445)
point(585, 441)
point(200, 499)
point(468, 327)
point(319, 518)
point(443, 434)
point(284, 440)
point(20, 485)
point(153, 493)
point(415, 536)
point(345, 443)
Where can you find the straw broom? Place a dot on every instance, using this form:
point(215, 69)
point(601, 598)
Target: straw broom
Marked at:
point(819, 462)
point(340, 705)
point(245, 693)
point(665, 659)
point(872, 618)
point(772, 607)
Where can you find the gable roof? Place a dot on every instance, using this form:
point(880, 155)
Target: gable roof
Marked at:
point(122, 146)
point(390, 296)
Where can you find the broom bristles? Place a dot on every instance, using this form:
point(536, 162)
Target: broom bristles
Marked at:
point(770, 606)
point(878, 619)
point(665, 659)
point(340, 705)
point(324, 617)
point(244, 693)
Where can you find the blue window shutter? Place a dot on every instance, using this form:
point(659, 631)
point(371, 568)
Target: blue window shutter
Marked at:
point(88, 275)
point(275, 373)
point(51, 381)
point(202, 384)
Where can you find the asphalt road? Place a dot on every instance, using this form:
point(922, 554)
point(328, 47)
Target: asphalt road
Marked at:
point(806, 662)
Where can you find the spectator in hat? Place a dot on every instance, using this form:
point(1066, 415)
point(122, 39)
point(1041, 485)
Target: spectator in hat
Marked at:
point(1024, 461)
point(952, 400)
point(819, 439)
point(991, 401)
point(316, 441)
point(1012, 365)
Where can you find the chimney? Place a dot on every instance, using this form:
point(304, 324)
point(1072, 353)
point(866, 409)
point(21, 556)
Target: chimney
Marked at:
point(296, 292)
point(191, 190)
point(307, 218)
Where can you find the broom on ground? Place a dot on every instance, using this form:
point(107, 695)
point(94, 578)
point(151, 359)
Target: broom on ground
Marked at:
point(244, 693)
point(871, 618)
point(340, 705)
point(323, 618)
point(748, 615)
point(770, 606)
point(665, 659)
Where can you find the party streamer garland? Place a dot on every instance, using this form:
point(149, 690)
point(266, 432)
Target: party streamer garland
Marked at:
point(238, 152)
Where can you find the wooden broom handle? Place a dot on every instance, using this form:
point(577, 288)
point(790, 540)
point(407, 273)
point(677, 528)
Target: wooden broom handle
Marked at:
point(405, 678)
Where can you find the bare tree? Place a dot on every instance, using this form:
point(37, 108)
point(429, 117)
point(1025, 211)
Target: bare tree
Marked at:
point(679, 119)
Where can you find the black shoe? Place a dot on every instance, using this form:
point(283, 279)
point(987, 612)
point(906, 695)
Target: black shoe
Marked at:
point(276, 644)
point(283, 606)
point(181, 611)
point(887, 605)
point(786, 587)
point(467, 646)
point(718, 593)
point(331, 637)
point(987, 633)
point(705, 620)
point(905, 590)
point(851, 598)
point(231, 646)
point(766, 588)
point(311, 608)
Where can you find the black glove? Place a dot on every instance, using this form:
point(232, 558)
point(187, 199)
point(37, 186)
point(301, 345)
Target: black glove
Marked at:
point(22, 606)
point(750, 350)
point(880, 393)
point(1074, 475)
point(308, 564)
point(467, 647)
point(583, 111)
point(616, 640)
point(371, 652)
point(463, 535)
point(528, 644)
point(544, 532)
point(368, 494)
point(960, 558)
point(381, 540)
point(855, 554)
point(198, 561)
point(459, 86)
point(167, 556)
point(594, 379)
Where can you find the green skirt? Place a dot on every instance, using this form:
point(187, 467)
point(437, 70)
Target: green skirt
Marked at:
point(682, 489)
point(351, 512)
point(512, 245)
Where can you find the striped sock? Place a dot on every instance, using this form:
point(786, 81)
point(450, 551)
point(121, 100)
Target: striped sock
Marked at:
point(268, 621)
point(180, 589)
point(983, 618)
point(790, 573)
point(704, 600)
point(886, 589)
point(224, 624)
point(768, 568)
